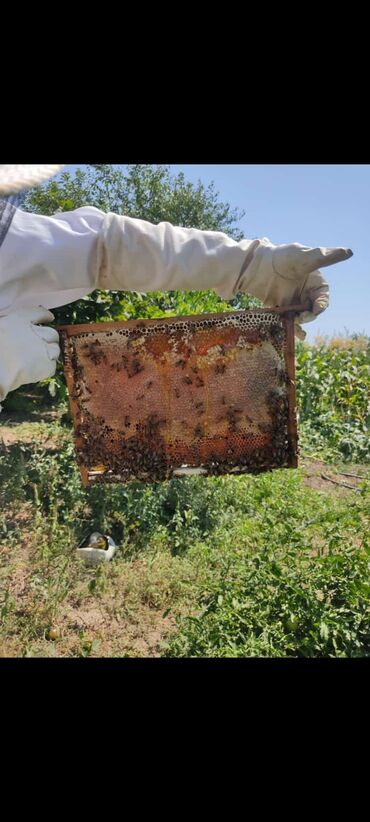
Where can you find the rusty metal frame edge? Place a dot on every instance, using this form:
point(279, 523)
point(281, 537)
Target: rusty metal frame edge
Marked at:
point(289, 355)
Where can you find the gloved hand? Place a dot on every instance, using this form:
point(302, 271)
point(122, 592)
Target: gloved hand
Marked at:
point(287, 275)
point(297, 265)
point(28, 351)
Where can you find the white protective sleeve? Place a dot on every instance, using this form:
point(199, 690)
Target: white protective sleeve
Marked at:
point(55, 260)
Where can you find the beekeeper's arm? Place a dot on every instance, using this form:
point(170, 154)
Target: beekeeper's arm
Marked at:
point(52, 261)
point(73, 253)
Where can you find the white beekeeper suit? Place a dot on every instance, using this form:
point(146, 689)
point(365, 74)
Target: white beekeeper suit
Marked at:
point(46, 262)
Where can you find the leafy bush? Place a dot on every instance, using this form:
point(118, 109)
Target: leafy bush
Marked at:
point(292, 579)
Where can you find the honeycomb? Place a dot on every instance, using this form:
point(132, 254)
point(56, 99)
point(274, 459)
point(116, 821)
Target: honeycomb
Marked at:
point(156, 399)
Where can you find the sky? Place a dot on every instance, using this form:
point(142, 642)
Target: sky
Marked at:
point(316, 205)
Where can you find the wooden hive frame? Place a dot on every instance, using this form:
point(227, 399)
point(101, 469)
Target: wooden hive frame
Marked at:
point(204, 394)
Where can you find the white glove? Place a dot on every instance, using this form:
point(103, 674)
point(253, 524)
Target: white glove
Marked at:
point(28, 352)
point(56, 260)
point(287, 275)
